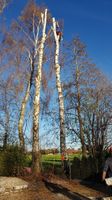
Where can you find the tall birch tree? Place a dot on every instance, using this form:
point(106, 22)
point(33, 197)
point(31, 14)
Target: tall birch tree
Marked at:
point(32, 12)
point(38, 79)
point(60, 93)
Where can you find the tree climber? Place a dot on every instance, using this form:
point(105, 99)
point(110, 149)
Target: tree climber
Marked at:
point(58, 32)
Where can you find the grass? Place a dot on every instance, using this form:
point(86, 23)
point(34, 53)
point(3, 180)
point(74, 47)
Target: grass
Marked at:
point(52, 162)
point(57, 157)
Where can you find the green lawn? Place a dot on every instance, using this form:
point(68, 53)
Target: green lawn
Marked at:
point(53, 162)
point(47, 157)
point(56, 158)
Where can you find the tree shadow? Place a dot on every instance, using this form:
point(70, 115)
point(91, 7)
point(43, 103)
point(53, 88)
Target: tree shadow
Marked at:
point(59, 189)
point(98, 186)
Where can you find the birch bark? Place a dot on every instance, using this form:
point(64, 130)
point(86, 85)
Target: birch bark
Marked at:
point(27, 93)
point(60, 94)
point(35, 146)
point(24, 103)
point(21, 118)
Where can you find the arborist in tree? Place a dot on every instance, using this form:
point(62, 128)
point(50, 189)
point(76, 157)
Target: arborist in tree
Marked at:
point(58, 32)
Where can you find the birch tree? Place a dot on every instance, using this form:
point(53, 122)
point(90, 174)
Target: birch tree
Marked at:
point(59, 88)
point(23, 107)
point(38, 79)
point(32, 12)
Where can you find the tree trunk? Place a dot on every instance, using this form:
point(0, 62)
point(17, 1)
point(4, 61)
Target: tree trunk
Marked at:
point(23, 105)
point(79, 112)
point(35, 145)
point(22, 115)
point(6, 134)
point(60, 94)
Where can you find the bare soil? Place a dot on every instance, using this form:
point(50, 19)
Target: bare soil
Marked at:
point(54, 188)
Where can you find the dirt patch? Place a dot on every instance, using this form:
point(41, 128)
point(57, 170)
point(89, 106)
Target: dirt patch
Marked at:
point(52, 188)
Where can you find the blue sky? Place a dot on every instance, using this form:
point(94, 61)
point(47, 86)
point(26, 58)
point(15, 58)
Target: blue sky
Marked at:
point(91, 20)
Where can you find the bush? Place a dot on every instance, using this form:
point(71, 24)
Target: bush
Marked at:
point(12, 160)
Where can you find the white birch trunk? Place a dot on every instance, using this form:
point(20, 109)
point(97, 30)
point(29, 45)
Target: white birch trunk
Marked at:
point(27, 93)
point(22, 115)
point(60, 94)
point(24, 103)
point(35, 147)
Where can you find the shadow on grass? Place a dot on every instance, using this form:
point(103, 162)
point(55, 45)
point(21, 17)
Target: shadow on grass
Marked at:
point(60, 190)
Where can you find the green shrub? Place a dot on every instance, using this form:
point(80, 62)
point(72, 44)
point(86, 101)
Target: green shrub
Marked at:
point(12, 160)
